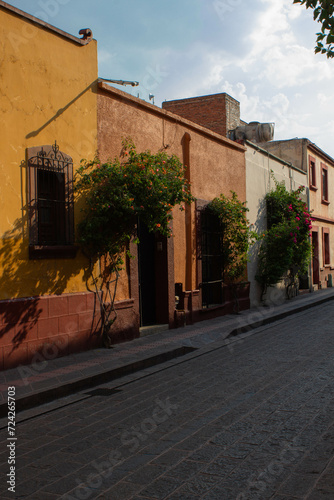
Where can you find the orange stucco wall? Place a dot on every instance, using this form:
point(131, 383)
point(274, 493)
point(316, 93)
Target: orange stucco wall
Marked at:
point(217, 165)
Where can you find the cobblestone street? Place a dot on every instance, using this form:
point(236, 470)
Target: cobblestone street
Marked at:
point(251, 420)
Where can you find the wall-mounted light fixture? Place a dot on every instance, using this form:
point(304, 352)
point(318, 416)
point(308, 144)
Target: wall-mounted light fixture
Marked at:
point(121, 82)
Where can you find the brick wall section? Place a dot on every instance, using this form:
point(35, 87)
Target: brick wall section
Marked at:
point(232, 113)
point(218, 112)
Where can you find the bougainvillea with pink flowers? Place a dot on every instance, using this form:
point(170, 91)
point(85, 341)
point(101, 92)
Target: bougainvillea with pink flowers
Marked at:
point(286, 245)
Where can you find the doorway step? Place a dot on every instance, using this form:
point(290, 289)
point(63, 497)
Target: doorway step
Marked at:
point(152, 329)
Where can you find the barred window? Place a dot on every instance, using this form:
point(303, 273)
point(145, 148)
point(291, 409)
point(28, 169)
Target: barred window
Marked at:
point(50, 203)
point(212, 259)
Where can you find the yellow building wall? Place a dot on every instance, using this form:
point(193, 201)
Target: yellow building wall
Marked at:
point(47, 94)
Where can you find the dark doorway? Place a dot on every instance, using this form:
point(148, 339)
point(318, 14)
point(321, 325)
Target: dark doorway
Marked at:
point(147, 275)
point(315, 258)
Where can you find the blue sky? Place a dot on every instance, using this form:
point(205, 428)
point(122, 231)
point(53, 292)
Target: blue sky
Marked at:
point(261, 52)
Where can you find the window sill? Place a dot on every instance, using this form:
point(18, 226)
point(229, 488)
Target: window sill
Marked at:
point(52, 252)
point(313, 188)
point(325, 202)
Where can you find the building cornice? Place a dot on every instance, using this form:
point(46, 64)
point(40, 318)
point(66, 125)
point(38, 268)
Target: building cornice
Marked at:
point(87, 33)
point(321, 218)
point(315, 149)
point(274, 157)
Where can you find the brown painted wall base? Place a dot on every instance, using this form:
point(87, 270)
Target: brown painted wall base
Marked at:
point(42, 328)
point(191, 311)
point(38, 329)
point(126, 326)
point(324, 274)
point(229, 307)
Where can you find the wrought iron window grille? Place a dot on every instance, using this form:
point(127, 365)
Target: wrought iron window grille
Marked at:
point(50, 198)
point(212, 259)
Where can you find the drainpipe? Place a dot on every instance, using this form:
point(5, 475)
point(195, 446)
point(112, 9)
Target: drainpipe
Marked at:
point(188, 215)
point(310, 264)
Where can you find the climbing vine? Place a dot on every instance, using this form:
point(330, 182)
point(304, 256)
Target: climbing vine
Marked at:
point(116, 194)
point(236, 234)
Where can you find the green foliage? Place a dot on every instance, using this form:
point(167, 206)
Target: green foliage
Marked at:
point(323, 12)
point(286, 244)
point(117, 192)
point(235, 234)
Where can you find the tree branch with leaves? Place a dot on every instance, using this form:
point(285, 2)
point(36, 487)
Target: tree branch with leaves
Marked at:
point(323, 12)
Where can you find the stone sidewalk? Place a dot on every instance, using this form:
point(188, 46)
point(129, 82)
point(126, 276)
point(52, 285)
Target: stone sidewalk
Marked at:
point(50, 379)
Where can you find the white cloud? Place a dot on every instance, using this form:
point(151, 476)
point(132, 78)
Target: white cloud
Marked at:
point(276, 53)
point(272, 21)
point(323, 99)
point(215, 75)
